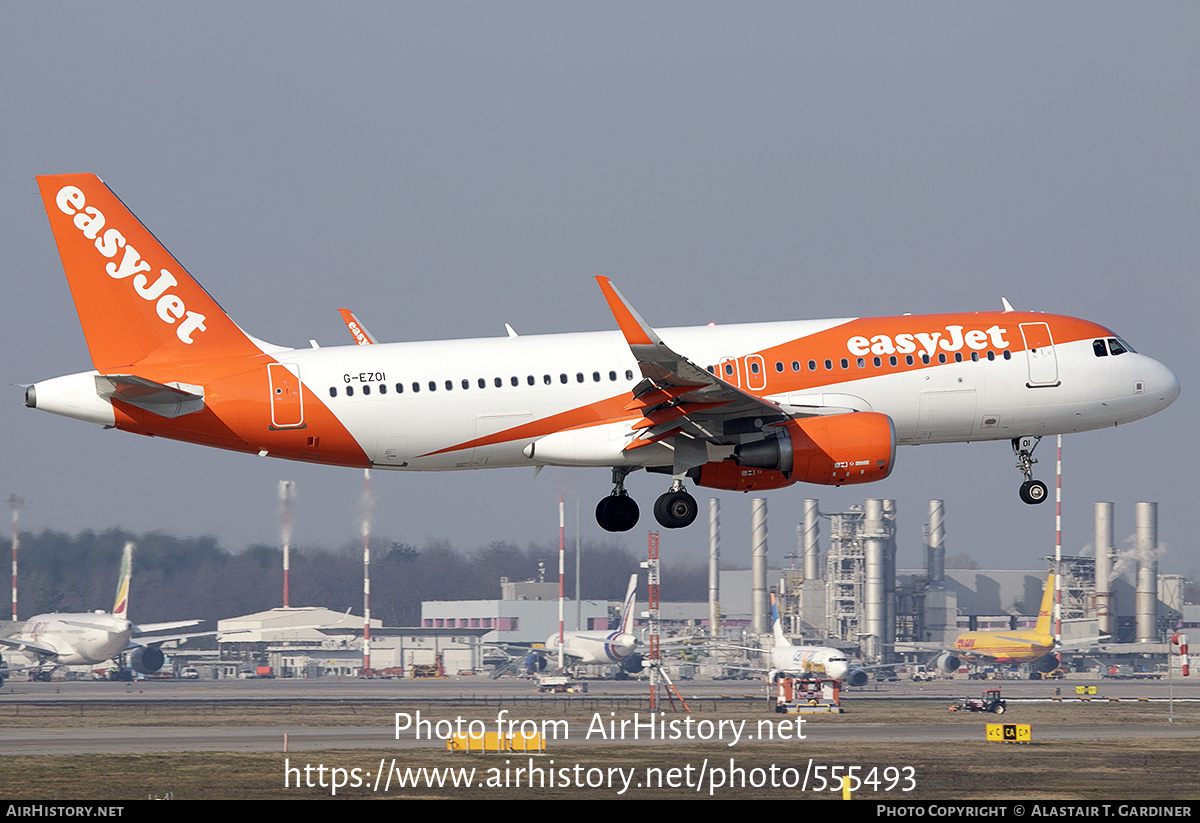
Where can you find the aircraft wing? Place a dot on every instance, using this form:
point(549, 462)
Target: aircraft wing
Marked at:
point(26, 645)
point(677, 396)
point(357, 330)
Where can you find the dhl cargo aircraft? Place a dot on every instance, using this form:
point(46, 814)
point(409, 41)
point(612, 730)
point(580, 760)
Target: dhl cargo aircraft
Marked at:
point(1034, 646)
point(740, 407)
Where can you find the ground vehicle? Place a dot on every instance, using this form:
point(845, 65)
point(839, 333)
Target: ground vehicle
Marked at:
point(990, 702)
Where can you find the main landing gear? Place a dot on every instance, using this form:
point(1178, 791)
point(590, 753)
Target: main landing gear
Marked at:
point(1032, 491)
point(676, 509)
point(619, 512)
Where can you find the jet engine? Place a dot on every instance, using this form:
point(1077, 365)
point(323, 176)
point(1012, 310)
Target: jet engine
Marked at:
point(946, 663)
point(856, 677)
point(534, 663)
point(632, 664)
point(730, 476)
point(147, 659)
point(835, 450)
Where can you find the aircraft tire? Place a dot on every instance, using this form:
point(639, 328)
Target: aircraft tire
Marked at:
point(617, 513)
point(1033, 492)
point(676, 510)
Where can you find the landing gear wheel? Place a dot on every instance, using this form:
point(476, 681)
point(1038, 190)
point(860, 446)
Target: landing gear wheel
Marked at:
point(617, 513)
point(1033, 492)
point(675, 510)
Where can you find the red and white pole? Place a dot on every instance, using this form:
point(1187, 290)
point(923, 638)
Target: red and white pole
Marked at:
point(1181, 640)
point(561, 574)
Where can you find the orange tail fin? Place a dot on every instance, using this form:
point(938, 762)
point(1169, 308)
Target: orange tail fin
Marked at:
point(135, 301)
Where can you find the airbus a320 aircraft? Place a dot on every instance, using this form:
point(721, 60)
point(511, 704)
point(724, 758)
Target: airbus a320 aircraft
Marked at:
point(88, 638)
point(741, 407)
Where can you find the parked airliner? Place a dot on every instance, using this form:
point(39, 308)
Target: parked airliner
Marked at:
point(1035, 646)
point(740, 407)
point(824, 662)
point(89, 638)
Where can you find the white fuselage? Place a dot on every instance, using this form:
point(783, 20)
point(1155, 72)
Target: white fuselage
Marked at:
point(593, 648)
point(444, 420)
point(78, 639)
point(810, 660)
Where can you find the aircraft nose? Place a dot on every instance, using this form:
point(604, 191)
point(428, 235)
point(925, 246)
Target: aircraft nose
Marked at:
point(1164, 384)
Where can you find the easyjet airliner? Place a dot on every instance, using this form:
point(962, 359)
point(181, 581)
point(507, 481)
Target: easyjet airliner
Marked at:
point(740, 407)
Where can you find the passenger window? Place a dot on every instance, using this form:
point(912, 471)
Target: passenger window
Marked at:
point(399, 388)
point(795, 365)
point(595, 377)
point(845, 363)
point(710, 369)
point(546, 379)
point(349, 391)
point(449, 385)
point(812, 365)
point(433, 385)
point(974, 357)
point(333, 391)
point(828, 365)
point(779, 366)
point(892, 360)
point(878, 362)
point(991, 355)
point(629, 374)
point(925, 359)
point(862, 364)
point(728, 368)
point(908, 359)
point(482, 383)
point(754, 368)
point(529, 379)
point(579, 377)
point(383, 388)
point(515, 381)
point(499, 382)
point(466, 384)
point(941, 358)
point(612, 375)
point(366, 389)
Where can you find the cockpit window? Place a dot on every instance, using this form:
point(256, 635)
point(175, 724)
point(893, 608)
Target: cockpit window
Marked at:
point(1118, 346)
point(1098, 348)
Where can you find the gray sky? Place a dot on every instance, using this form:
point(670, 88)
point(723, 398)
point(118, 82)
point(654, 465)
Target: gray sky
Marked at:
point(446, 168)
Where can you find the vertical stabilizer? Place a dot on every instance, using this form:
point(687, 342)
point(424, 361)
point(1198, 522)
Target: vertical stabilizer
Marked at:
point(121, 605)
point(627, 611)
point(777, 625)
point(135, 301)
point(1046, 612)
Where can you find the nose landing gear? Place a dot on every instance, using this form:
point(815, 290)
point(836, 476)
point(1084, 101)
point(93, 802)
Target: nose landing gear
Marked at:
point(1032, 491)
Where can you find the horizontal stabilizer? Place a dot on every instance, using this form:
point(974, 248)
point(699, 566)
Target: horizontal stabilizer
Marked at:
point(165, 400)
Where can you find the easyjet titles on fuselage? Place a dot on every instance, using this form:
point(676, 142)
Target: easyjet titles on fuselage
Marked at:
point(907, 343)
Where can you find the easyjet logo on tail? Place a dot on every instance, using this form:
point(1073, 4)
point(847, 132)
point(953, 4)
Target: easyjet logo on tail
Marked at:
point(169, 306)
point(951, 340)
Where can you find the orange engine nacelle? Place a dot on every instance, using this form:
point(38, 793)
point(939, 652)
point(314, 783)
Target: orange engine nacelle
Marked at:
point(730, 476)
point(836, 449)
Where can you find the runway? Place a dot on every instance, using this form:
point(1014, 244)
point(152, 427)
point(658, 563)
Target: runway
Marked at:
point(76, 712)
